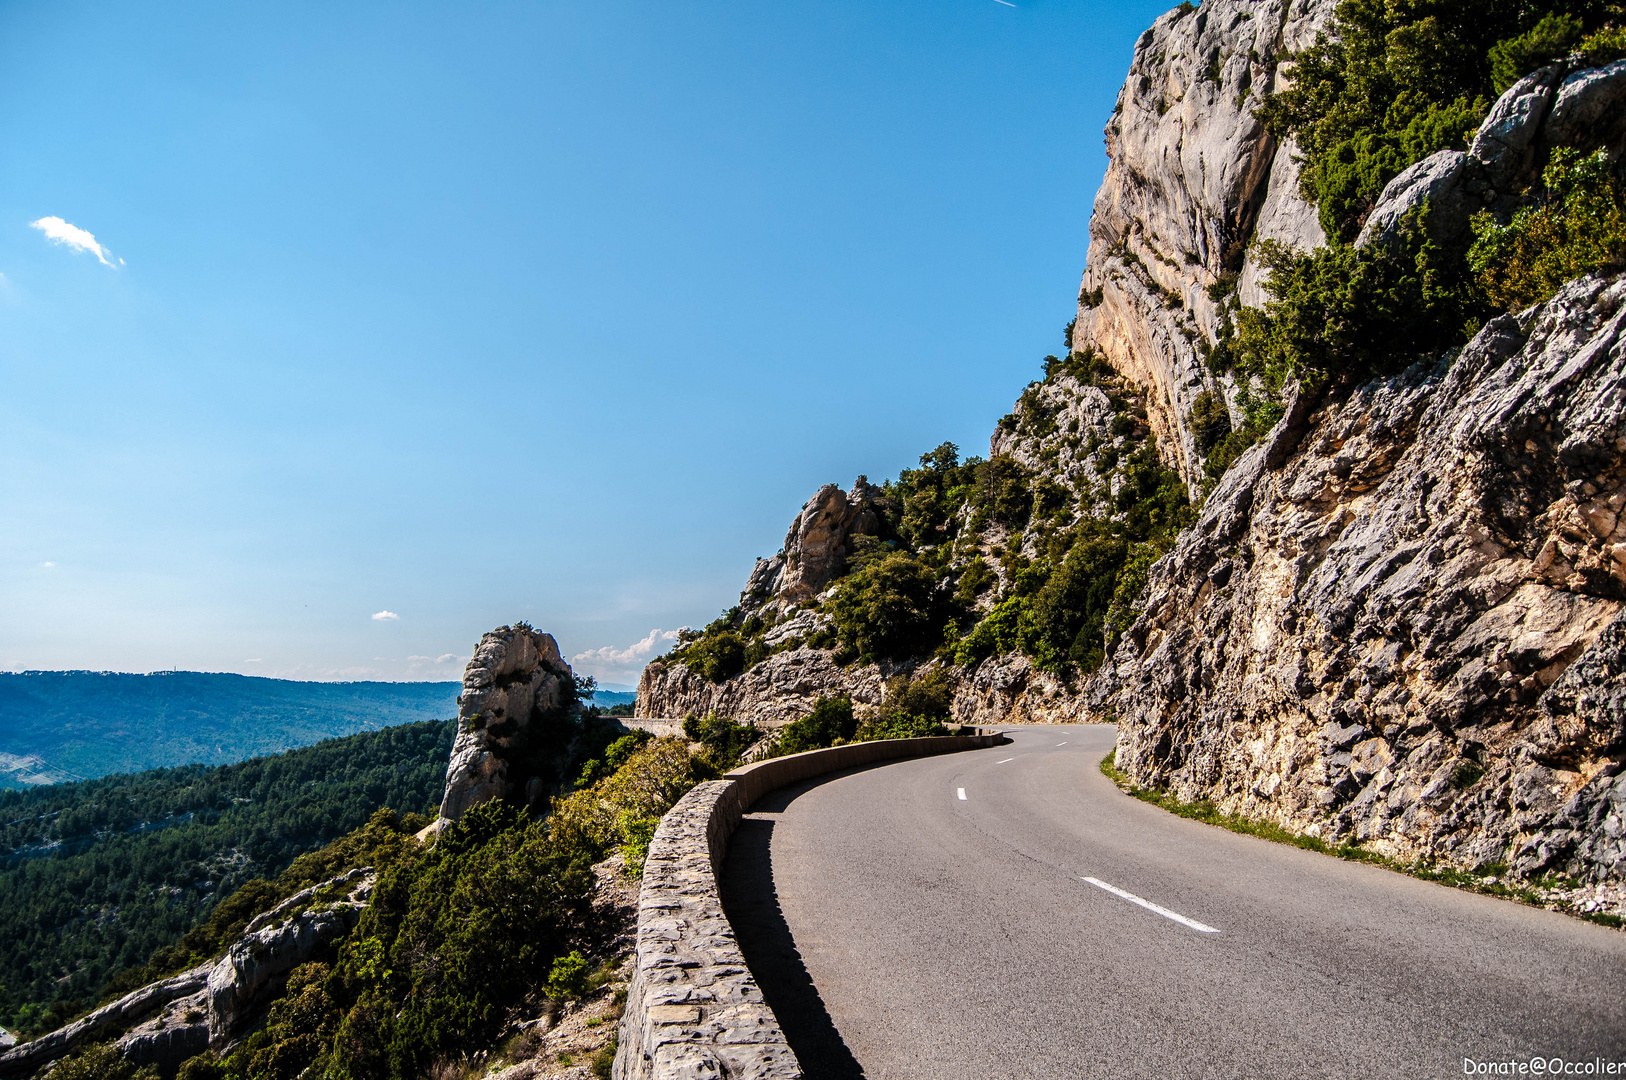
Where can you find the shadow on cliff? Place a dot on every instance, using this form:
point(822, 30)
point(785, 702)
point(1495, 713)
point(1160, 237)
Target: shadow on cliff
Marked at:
point(752, 905)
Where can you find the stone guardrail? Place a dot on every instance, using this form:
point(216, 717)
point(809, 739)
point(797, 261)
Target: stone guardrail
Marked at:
point(693, 1008)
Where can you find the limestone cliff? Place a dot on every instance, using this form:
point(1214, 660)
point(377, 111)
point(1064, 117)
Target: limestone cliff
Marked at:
point(1399, 618)
point(1193, 177)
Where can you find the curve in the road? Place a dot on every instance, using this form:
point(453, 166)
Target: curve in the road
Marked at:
point(1047, 925)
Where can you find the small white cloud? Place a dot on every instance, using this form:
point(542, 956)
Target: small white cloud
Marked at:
point(47, 565)
point(60, 232)
point(386, 616)
point(623, 665)
point(446, 658)
point(254, 660)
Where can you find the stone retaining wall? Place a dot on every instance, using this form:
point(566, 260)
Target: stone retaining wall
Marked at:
point(693, 1008)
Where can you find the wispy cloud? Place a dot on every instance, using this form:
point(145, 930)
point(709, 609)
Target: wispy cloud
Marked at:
point(622, 665)
point(386, 616)
point(434, 668)
point(47, 565)
point(58, 231)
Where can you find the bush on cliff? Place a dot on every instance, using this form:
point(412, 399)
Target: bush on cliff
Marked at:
point(1389, 84)
point(1341, 311)
point(1575, 224)
point(831, 721)
point(891, 608)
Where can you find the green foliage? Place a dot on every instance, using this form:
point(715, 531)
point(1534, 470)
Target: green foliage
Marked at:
point(567, 979)
point(451, 940)
point(297, 1033)
point(1130, 587)
point(636, 830)
point(1393, 82)
point(1209, 420)
point(831, 721)
point(1606, 46)
point(1004, 490)
point(718, 656)
point(891, 608)
point(928, 696)
point(1356, 313)
point(102, 1062)
point(613, 757)
point(1576, 224)
point(724, 740)
point(1549, 40)
point(1068, 613)
point(111, 882)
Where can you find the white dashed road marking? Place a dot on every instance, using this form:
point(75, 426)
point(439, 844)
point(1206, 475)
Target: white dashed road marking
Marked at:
point(1003, 762)
point(1148, 905)
point(1062, 743)
point(962, 794)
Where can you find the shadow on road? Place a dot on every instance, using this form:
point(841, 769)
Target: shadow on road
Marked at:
point(752, 905)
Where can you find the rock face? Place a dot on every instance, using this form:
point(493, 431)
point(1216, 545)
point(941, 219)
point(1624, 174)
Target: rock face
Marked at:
point(25, 1058)
point(514, 682)
point(1402, 624)
point(1192, 173)
point(816, 548)
point(276, 943)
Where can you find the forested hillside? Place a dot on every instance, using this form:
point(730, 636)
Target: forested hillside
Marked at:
point(96, 877)
point(71, 725)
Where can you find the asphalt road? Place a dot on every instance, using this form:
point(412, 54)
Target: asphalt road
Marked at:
point(900, 931)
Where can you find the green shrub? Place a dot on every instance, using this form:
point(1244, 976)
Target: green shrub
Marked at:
point(718, 656)
point(102, 1062)
point(637, 830)
point(890, 608)
point(724, 740)
point(567, 979)
point(1575, 225)
point(1549, 40)
point(928, 695)
point(1209, 420)
point(1355, 313)
point(1003, 488)
point(830, 721)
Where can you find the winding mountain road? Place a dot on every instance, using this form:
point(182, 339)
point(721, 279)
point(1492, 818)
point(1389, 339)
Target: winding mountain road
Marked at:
point(1010, 913)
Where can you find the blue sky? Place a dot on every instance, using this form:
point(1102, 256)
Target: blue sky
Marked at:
point(469, 313)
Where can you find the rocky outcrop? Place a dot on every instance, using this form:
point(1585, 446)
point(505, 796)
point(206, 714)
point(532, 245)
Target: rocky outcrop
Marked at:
point(296, 932)
point(1555, 107)
point(816, 548)
point(26, 1058)
point(515, 682)
point(1192, 172)
point(1403, 626)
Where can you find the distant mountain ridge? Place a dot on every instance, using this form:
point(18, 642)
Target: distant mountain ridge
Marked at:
point(58, 726)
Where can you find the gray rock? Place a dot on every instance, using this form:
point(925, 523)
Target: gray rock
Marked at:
point(1590, 110)
point(1504, 147)
point(1191, 173)
point(515, 678)
point(1437, 180)
point(1434, 559)
point(258, 964)
point(128, 1010)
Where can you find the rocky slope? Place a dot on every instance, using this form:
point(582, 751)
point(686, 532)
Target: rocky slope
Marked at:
point(1406, 630)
